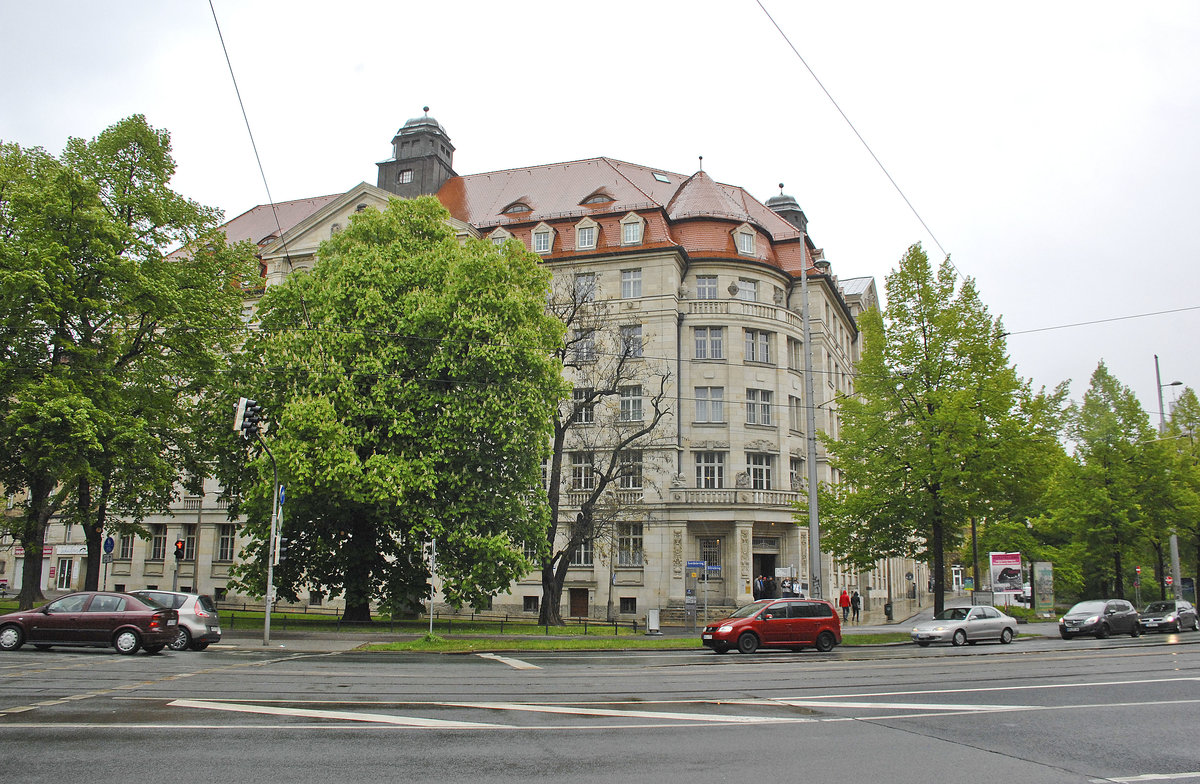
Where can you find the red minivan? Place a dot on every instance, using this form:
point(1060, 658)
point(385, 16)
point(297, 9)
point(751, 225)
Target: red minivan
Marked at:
point(776, 623)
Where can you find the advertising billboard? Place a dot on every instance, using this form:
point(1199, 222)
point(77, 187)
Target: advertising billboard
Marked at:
point(1006, 572)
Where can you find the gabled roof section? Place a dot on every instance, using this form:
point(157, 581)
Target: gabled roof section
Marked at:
point(364, 192)
point(258, 223)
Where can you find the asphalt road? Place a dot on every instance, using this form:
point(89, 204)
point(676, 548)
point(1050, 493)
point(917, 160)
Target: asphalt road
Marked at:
point(1039, 710)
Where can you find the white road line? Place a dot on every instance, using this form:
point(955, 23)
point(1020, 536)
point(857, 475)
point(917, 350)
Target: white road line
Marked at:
point(516, 664)
point(1149, 777)
point(912, 706)
point(631, 714)
point(377, 718)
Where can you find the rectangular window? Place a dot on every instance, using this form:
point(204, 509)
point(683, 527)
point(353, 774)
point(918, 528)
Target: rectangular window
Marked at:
point(158, 542)
point(585, 287)
point(630, 477)
point(586, 236)
point(541, 242)
point(583, 347)
point(706, 287)
point(631, 233)
point(710, 470)
point(404, 176)
point(710, 404)
point(631, 340)
point(585, 412)
point(796, 473)
point(758, 406)
point(710, 551)
point(582, 475)
point(745, 243)
point(628, 605)
point(758, 346)
point(629, 544)
point(631, 283)
point(126, 547)
point(759, 467)
point(795, 413)
point(582, 555)
point(189, 542)
point(529, 604)
point(631, 403)
point(226, 541)
point(795, 354)
point(748, 290)
point(710, 342)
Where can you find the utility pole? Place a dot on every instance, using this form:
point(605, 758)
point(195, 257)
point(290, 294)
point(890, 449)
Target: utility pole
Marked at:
point(1176, 586)
point(810, 423)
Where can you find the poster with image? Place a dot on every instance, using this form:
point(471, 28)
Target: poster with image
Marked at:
point(1006, 572)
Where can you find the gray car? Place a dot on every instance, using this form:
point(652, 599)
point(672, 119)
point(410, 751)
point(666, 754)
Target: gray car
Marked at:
point(963, 625)
point(199, 623)
point(1169, 616)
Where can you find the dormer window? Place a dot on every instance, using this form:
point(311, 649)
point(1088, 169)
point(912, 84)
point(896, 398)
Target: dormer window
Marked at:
point(543, 238)
point(632, 228)
point(743, 237)
point(598, 198)
point(586, 232)
point(499, 236)
point(515, 207)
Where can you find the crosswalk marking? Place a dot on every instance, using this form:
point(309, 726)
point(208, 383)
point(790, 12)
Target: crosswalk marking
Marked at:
point(516, 664)
point(278, 710)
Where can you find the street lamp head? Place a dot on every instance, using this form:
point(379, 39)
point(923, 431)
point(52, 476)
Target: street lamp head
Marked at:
point(1174, 384)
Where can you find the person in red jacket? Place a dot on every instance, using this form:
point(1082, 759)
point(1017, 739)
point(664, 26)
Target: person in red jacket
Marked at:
point(844, 603)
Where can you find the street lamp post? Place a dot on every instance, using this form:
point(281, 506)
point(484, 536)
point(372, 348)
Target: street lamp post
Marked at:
point(1176, 588)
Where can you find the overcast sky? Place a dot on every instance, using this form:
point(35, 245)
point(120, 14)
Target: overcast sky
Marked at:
point(1051, 148)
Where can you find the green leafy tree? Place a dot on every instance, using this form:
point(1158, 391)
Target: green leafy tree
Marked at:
point(105, 339)
point(410, 384)
point(937, 430)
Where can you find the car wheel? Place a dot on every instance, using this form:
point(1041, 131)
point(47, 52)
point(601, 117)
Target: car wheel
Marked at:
point(747, 643)
point(1103, 631)
point(960, 638)
point(972, 642)
point(199, 646)
point(1006, 636)
point(923, 643)
point(1196, 624)
point(153, 649)
point(11, 638)
point(182, 640)
point(1065, 636)
point(825, 642)
point(127, 642)
point(1136, 631)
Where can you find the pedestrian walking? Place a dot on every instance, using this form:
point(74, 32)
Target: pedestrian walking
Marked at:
point(844, 603)
point(855, 605)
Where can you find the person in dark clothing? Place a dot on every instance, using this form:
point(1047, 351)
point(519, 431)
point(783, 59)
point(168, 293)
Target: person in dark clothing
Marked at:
point(855, 604)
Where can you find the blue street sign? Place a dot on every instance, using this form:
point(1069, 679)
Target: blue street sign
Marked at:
point(109, 544)
point(281, 494)
point(695, 564)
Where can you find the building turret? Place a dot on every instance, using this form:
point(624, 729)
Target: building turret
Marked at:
point(422, 159)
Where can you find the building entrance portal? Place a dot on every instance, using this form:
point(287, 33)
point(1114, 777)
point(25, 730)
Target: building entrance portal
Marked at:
point(765, 584)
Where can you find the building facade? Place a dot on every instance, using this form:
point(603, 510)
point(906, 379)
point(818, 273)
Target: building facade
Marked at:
point(703, 282)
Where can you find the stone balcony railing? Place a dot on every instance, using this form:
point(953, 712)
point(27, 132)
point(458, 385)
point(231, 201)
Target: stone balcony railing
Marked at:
point(731, 497)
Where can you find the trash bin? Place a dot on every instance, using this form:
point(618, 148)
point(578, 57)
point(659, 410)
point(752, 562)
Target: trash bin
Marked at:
point(887, 610)
point(652, 623)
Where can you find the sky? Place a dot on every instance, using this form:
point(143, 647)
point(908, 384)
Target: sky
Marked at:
point(1049, 148)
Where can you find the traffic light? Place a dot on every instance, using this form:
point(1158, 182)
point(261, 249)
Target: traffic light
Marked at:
point(281, 544)
point(252, 419)
point(178, 549)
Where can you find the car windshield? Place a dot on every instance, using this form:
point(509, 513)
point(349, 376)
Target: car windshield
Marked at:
point(150, 601)
point(951, 614)
point(745, 611)
point(1087, 607)
point(1161, 607)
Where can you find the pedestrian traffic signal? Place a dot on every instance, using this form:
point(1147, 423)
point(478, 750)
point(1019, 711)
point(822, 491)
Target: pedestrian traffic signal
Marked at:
point(178, 549)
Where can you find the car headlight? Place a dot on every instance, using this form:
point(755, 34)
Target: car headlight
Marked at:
point(725, 629)
point(1062, 619)
point(1091, 620)
point(1172, 618)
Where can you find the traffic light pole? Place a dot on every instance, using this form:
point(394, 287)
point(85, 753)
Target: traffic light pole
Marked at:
point(270, 598)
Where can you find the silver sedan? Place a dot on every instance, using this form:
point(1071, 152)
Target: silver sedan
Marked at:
point(963, 625)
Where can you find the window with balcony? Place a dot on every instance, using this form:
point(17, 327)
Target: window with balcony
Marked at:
point(630, 470)
point(706, 287)
point(710, 470)
point(710, 342)
point(583, 475)
point(747, 290)
point(759, 465)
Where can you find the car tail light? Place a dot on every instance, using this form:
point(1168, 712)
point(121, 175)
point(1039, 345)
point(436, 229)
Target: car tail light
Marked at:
point(200, 612)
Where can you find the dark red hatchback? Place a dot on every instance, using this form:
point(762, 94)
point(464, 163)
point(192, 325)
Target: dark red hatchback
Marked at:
point(776, 623)
point(92, 618)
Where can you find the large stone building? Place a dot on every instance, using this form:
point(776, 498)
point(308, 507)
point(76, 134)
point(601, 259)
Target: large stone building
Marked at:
point(705, 281)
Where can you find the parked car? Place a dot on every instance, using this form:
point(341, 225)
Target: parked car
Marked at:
point(962, 625)
point(1173, 615)
point(1100, 617)
point(92, 618)
point(776, 623)
point(199, 622)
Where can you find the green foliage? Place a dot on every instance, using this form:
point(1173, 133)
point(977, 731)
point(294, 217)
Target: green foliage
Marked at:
point(940, 429)
point(104, 338)
point(409, 384)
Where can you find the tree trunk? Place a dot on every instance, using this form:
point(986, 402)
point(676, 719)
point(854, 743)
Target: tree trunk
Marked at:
point(550, 611)
point(939, 557)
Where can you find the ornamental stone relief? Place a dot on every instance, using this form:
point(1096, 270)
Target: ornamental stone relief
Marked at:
point(744, 548)
point(761, 445)
point(677, 552)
